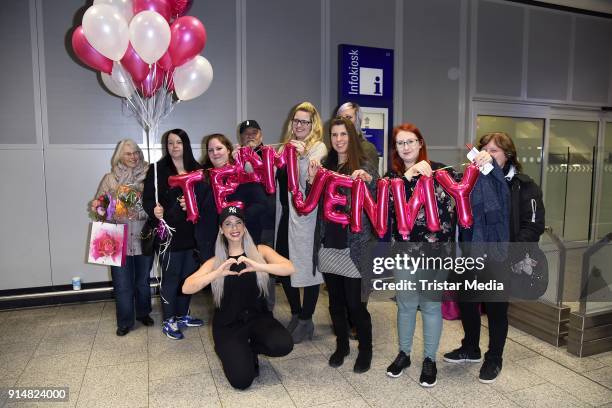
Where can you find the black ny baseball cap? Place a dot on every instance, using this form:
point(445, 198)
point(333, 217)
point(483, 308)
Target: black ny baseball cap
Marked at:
point(229, 211)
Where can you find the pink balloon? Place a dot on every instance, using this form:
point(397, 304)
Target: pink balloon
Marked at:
point(223, 182)
point(407, 212)
point(431, 204)
point(132, 62)
point(377, 212)
point(401, 210)
point(186, 182)
point(334, 198)
point(187, 39)
point(460, 192)
point(290, 157)
point(248, 155)
point(162, 7)
point(165, 62)
point(303, 207)
point(88, 54)
point(268, 154)
point(180, 7)
point(151, 83)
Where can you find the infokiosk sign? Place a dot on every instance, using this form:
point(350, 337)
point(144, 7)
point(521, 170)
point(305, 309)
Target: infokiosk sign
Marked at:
point(366, 78)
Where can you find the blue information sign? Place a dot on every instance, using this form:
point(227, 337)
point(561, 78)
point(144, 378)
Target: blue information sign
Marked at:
point(366, 74)
point(365, 77)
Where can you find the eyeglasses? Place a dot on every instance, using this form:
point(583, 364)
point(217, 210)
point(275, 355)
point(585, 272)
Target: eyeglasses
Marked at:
point(297, 122)
point(409, 142)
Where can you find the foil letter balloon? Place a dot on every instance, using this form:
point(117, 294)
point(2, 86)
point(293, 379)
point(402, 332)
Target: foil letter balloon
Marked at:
point(460, 192)
point(185, 182)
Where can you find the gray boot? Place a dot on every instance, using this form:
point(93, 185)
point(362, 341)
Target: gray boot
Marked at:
point(304, 329)
point(292, 323)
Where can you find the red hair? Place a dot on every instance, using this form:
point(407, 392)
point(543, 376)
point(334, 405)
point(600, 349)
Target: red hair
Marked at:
point(397, 164)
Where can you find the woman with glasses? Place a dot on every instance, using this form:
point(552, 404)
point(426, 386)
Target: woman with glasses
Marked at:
point(131, 281)
point(409, 161)
point(294, 232)
point(339, 251)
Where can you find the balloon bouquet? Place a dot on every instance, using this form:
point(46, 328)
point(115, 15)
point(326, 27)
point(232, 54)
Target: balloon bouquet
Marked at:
point(147, 51)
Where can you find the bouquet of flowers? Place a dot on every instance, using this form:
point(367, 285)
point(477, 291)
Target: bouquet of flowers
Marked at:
point(126, 203)
point(129, 202)
point(102, 208)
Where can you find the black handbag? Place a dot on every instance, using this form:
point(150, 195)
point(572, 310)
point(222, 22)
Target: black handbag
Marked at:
point(148, 238)
point(528, 271)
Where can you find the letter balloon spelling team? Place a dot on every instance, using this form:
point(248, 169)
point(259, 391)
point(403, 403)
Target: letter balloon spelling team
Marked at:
point(294, 212)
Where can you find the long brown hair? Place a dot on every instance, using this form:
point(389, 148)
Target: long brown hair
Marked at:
point(206, 163)
point(355, 155)
point(397, 164)
point(504, 142)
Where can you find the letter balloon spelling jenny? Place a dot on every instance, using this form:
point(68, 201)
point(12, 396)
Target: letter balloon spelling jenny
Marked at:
point(225, 181)
point(147, 52)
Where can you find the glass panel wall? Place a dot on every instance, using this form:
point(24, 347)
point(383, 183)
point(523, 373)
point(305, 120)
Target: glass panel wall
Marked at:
point(604, 219)
point(569, 177)
point(527, 134)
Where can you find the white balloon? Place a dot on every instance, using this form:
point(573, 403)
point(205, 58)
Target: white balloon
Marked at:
point(149, 35)
point(106, 30)
point(118, 82)
point(192, 78)
point(110, 85)
point(125, 7)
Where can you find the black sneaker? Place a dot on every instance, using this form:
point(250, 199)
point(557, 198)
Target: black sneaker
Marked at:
point(462, 355)
point(397, 366)
point(490, 370)
point(428, 373)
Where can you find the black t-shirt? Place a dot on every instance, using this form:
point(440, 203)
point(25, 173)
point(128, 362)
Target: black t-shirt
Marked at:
point(242, 300)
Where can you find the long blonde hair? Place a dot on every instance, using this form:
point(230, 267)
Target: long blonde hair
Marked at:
point(221, 255)
point(316, 130)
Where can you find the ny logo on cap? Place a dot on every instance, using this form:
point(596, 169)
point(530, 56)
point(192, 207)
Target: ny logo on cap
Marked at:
point(232, 210)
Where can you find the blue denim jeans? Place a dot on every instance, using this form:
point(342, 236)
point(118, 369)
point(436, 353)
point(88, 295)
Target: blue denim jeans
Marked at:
point(431, 312)
point(181, 264)
point(132, 291)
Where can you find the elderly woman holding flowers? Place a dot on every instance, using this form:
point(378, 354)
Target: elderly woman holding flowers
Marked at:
point(119, 199)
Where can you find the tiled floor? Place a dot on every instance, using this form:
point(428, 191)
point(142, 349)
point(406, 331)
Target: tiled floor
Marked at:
point(76, 346)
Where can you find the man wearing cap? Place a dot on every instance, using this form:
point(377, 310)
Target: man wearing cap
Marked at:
point(250, 135)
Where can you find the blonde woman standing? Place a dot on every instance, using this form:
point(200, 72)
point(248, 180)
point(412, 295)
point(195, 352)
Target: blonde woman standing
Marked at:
point(131, 281)
point(294, 232)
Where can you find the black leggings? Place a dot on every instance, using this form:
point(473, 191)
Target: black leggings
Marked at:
point(497, 312)
point(345, 297)
point(311, 295)
point(238, 345)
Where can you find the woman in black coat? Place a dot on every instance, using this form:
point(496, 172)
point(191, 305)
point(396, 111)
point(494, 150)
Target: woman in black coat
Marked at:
point(178, 261)
point(526, 224)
